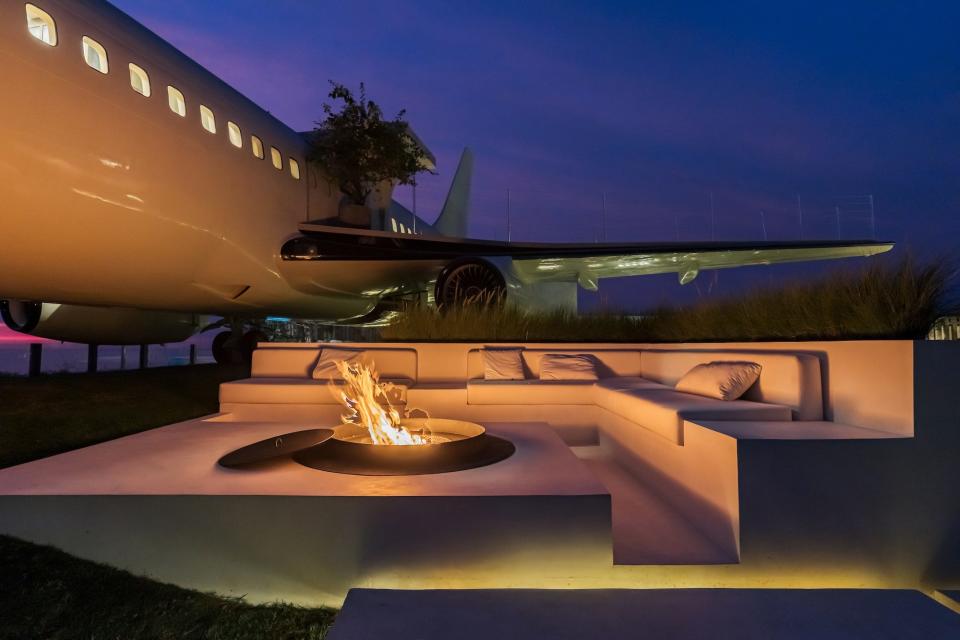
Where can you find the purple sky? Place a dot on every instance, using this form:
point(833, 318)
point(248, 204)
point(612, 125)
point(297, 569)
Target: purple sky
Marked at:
point(654, 106)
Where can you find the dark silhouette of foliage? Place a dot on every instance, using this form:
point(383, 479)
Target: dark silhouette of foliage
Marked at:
point(899, 300)
point(357, 148)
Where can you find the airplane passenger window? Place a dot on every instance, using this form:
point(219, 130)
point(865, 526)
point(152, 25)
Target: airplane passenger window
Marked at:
point(95, 55)
point(41, 25)
point(233, 132)
point(393, 223)
point(277, 158)
point(294, 169)
point(177, 104)
point(257, 146)
point(207, 120)
point(139, 80)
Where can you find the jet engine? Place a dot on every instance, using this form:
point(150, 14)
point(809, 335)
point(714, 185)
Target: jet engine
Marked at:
point(97, 325)
point(494, 280)
point(470, 280)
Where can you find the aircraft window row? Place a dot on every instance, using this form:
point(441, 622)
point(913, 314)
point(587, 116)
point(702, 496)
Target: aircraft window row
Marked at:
point(42, 26)
point(402, 229)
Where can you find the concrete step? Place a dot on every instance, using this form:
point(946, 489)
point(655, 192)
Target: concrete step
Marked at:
point(688, 614)
point(649, 528)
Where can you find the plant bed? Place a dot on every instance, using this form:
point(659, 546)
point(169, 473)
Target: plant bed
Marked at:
point(896, 301)
point(46, 593)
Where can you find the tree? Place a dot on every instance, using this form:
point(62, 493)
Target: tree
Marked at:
point(358, 149)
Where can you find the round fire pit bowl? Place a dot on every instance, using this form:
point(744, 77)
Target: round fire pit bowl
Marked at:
point(454, 445)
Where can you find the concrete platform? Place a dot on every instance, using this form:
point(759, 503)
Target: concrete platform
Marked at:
point(181, 459)
point(156, 503)
point(658, 614)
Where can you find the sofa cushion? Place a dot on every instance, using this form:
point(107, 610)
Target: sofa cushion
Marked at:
point(326, 367)
point(568, 366)
point(663, 410)
point(502, 364)
point(295, 391)
point(606, 389)
point(530, 392)
point(299, 361)
point(610, 362)
point(788, 378)
point(720, 380)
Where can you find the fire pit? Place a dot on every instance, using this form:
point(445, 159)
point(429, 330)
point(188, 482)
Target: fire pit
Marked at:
point(376, 440)
point(448, 445)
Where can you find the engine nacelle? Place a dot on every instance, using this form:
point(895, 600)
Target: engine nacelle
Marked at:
point(470, 280)
point(97, 325)
point(493, 281)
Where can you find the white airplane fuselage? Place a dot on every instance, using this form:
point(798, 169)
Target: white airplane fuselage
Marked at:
point(113, 199)
point(110, 198)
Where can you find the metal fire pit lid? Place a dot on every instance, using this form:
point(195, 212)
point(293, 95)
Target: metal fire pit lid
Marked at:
point(279, 446)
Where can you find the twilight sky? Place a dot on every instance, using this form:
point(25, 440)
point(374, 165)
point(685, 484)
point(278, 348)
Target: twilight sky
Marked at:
point(653, 107)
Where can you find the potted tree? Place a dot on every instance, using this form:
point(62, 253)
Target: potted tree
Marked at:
point(364, 154)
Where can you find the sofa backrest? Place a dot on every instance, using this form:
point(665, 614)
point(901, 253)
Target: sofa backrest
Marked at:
point(298, 362)
point(610, 362)
point(788, 379)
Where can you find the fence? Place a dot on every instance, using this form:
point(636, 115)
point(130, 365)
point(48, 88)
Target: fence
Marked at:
point(23, 358)
point(572, 214)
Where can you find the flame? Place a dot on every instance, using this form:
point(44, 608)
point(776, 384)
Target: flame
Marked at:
point(368, 405)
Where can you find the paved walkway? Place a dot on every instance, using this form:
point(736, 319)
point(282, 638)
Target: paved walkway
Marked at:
point(656, 614)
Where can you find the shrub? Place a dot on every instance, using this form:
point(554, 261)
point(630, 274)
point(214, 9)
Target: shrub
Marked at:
point(900, 300)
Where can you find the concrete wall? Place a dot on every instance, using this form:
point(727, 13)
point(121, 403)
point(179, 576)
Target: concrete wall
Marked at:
point(885, 511)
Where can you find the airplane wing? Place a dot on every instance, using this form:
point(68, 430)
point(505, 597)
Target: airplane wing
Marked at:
point(685, 260)
point(564, 262)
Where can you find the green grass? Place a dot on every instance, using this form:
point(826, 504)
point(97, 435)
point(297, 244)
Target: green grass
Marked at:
point(48, 594)
point(881, 301)
point(55, 413)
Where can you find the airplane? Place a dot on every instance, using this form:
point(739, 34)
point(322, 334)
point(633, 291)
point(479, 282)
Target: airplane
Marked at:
point(142, 195)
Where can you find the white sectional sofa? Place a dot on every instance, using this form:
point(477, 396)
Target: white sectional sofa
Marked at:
point(635, 385)
point(683, 446)
point(638, 385)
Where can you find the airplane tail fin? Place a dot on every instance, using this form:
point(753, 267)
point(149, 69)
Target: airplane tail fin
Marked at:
point(455, 214)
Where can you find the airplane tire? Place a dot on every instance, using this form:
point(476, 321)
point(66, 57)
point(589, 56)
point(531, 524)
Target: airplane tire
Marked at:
point(248, 344)
point(223, 353)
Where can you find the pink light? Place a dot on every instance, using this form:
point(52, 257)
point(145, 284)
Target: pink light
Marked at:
point(9, 337)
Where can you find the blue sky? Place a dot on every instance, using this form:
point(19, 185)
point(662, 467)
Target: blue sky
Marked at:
point(656, 108)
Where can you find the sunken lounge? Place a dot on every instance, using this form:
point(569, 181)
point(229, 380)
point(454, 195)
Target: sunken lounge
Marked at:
point(575, 465)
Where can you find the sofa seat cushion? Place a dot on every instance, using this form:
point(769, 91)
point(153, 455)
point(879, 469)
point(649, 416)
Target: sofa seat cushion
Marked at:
point(294, 391)
point(663, 410)
point(530, 392)
point(606, 389)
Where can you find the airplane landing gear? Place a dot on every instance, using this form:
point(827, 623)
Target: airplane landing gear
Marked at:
point(227, 349)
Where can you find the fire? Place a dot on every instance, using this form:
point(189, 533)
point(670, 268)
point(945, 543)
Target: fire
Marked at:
point(368, 405)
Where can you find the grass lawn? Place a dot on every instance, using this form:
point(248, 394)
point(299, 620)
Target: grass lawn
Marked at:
point(45, 593)
point(55, 413)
